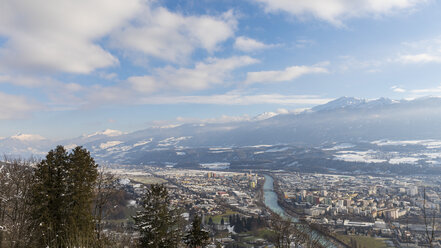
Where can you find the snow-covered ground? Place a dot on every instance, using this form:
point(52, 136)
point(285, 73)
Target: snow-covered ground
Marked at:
point(369, 156)
point(430, 144)
point(391, 151)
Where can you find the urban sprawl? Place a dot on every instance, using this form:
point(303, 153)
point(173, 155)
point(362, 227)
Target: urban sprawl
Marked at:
point(399, 210)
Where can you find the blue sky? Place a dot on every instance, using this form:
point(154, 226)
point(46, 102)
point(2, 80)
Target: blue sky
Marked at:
point(70, 67)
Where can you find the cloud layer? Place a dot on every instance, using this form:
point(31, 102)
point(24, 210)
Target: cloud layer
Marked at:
point(16, 107)
point(60, 35)
point(335, 11)
point(75, 54)
point(246, 44)
point(174, 37)
point(238, 98)
point(288, 74)
point(168, 80)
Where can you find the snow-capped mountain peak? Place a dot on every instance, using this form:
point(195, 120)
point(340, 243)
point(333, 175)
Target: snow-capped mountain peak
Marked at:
point(107, 132)
point(27, 137)
point(361, 120)
point(340, 103)
point(352, 103)
point(264, 116)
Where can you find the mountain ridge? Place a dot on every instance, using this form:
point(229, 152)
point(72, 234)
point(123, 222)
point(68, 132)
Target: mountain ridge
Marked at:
point(345, 119)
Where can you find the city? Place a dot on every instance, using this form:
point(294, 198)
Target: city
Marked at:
point(387, 209)
point(220, 123)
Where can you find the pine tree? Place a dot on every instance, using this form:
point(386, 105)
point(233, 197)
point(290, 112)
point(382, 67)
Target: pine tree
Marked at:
point(83, 174)
point(159, 223)
point(50, 199)
point(196, 237)
point(61, 199)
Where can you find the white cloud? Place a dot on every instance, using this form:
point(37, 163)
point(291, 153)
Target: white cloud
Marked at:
point(371, 66)
point(222, 119)
point(144, 84)
point(203, 75)
point(335, 11)
point(418, 93)
point(173, 37)
point(420, 52)
point(98, 95)
point(28, 137)
point(234, 98)
point(213, 71)
point(59, 35)
point(60, 95)
point(248, 45)
point(15, 107)
point(288, 74)
point(427, 90)
point(108, 76)
point(419, 58)
point(398, 89)
point(304, 43)
point(53, 36)
point(165, 85)
point(40, 82)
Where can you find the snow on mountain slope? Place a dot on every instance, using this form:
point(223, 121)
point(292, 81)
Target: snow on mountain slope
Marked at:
point(346, 119)
point(28, 137)
point(354, 103)
point(340, 103)
point(107, 132)
point(24, 145)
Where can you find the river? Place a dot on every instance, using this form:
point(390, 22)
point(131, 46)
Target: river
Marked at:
point(271, 197)
point(270, 200)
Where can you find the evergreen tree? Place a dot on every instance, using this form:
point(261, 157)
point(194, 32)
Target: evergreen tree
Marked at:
point(238, 225)
point(196, 237)
point(260, 223)
point(251, 224)
point(159, 223)
point(50, 199)
point(222, 221)
point(210, 221)
point(61, 199)
point(83, 175)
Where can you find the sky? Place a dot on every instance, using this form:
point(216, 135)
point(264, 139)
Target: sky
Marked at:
point(72, 67)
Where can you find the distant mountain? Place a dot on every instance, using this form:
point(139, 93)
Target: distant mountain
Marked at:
point(340, 103)
point(24, 145)
point(353, 103)
point(264, 116)
point(345, 119)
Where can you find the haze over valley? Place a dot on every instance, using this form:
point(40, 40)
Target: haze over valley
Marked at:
point(347, 132)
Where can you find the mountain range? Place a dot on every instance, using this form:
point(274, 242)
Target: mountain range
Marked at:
point(346, 119)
